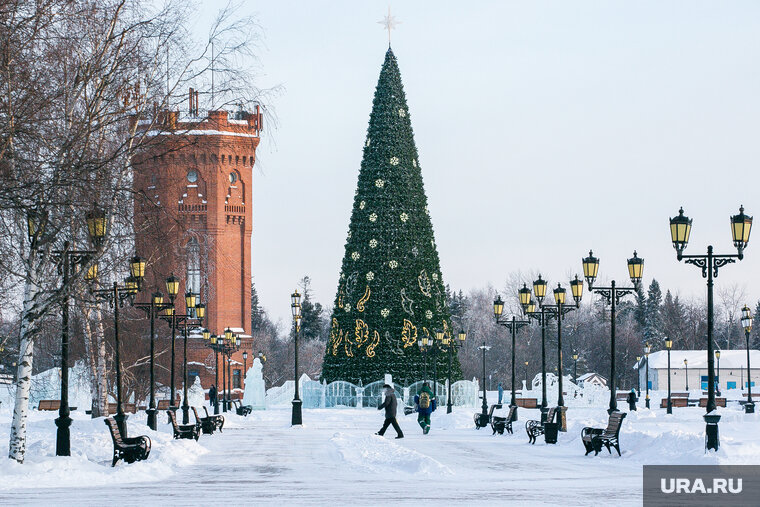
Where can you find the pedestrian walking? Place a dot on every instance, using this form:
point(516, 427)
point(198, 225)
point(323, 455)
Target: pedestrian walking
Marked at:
point(389, 404)
point(501, 393)
point(425, 404)
point(632, 400)
point(212, 395)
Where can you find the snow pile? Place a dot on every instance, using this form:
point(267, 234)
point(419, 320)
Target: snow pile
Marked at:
point(378, 454)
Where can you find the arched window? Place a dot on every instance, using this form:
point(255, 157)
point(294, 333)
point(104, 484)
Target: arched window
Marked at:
point(193, 266)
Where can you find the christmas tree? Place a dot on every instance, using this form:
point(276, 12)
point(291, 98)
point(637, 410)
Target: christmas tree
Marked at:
point(390, 292)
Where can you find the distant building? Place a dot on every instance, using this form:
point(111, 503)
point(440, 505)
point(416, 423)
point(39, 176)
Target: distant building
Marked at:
point(732, 374)
point(591, 379)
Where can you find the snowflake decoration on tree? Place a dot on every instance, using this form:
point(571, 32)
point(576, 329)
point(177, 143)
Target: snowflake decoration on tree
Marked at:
point(373, 217)
point(393, 264)
point(362, 205)
point(379, 183)
point(415, 251)
point(427, 211)
point(435, 276)
point(414, 161)
point(385, 312)
point(370, 276)
point(355, 256)
point(404, 217)
point(367, 143)
point(428, 314)
point(372, 243)
point(401, 112)
point(347, 307)
point(394, 160)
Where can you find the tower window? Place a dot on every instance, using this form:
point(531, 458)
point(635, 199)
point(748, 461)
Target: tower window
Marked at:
point(192, 176)
point(193, 266)
point(233, 177)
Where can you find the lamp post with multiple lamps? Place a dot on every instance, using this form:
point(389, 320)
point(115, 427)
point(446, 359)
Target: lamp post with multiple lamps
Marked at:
point(557, 311)
point(483, 420)
point(172, 288)
point(668, 346)
point(542, 317)
point(451, 346)
point(680, 230)
point(613, 294)
point(749, 407)
point(647, 350)
point(513, 325)
point(295, 306)
point(68, 261)
point(153, 308)
point(425, 344)
point(230, 346)
point(215, 343)
point(116, 296)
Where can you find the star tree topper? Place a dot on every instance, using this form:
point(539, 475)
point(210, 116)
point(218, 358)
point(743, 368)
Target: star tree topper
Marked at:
point(389, 23)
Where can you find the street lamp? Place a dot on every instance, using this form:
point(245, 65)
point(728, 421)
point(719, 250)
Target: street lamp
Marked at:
point(717, 379)
point(526, 375)
point(295, 307)
point(68, 260)
point(452, 346)
point(612, 295)
point(686, 364)
point(172, 288)
point(575, 368)
point(669, 345)
point(647, 350)
point(116, 296)
point(557, 311)
point(749, 407)
point(513, 325)
point(155, 306)
point(245, 367)
point(484, 414)
point(680, 229)
point(216, 344)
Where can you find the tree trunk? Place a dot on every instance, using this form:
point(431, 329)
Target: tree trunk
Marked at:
point(100, 363)
point(17, 444)
point(90, 346)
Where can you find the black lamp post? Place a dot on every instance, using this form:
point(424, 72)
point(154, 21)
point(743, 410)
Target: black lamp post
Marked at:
point(668, 346)
point(513, 325)
point(542, 317)
point(228, 347)
point(245, 362)
point(526, 375)
point(680, 229)
point(647, 350)
point(295, 306)
point(484, 414)
point(155, 306)
point(613, 294)
point(439, 336)
point(749, 407)
point(575, 368)
point(116, 296)
point(717, 378)
point(557, 311)
point(425, 344)
point(172, 288)
point(452, 346)
point(686, 365)
point(215, 343)
point(68, 261)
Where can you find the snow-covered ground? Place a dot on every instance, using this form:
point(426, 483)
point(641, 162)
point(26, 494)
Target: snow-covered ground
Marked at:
point(336, 459)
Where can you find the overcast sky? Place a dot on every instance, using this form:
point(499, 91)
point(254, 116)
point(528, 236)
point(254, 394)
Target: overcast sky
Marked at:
point(544, 128)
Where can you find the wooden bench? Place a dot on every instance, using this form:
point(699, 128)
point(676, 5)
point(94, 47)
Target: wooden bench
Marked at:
point(49, 405)
point(184, 430)
point(479, 422)
point(674, 402)
point(720, 402)
point(536, 428)
point(241, 409)
point(527, 402)
point(129, 408)
point(594, 438)
point(621, 396)
point(128, 449)
point(218, 419)
point(208, 424)
point(499, 423)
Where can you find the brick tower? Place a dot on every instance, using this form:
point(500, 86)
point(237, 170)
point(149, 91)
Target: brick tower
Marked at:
point(193, 218)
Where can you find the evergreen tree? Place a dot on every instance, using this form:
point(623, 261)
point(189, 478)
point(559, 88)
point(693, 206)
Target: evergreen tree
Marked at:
point(312, 320)
point(653, 317)
point(640, 313)
point(390, 292)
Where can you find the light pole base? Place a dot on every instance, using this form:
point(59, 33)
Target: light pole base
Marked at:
point(544, 411)
point(562, 417)
point(448, 408)
point(121, 422)
point(749, 408)
point(185, 414)
point(295, 419)
point(63, 436)
point(152, 418)
point(216, 407)
point(712, 440)
point(648, 402)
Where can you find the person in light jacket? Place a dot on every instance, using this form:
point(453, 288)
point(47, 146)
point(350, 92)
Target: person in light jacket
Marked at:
point(390, 404)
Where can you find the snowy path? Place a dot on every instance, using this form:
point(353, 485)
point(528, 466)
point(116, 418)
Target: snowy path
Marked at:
point(335, 460)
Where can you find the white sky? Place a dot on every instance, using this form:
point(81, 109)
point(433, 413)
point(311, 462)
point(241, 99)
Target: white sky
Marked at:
point(545, 128)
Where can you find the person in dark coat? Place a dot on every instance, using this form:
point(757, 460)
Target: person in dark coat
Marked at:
point(632, 400)
point(390, 404)
point(212, 395)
